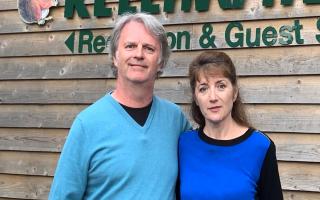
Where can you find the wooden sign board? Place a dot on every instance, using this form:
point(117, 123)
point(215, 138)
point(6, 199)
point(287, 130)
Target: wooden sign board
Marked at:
point(35, 11)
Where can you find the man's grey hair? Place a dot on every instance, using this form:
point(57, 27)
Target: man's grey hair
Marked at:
point(152, 25)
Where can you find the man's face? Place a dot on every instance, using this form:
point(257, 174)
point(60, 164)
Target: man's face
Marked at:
point(137, 54)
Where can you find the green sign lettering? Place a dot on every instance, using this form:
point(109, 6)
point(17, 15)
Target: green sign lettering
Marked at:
point(297, 28)
point(175, 40)
point(284, 33)
point(201, 5)
point(269, 33)
point(71, 5)
point(100, 10)
point(147, 6)
point(231, 4)
point(99, 44)
point(318, 26)
point(124, 6)
point(186, 35)
point(238, 36)
point(168, 6)
point(311, 1)
point(206, 39)
point(256, 42)
point(85, 38)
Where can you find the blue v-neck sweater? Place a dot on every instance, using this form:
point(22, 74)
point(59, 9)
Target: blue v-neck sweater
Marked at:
point(108, 155)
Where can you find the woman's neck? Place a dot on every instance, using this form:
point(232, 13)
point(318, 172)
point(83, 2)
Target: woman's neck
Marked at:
point(225, 130)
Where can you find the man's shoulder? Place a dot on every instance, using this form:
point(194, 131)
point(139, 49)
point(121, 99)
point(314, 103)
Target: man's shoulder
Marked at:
point(95, 109)
point(166, 103)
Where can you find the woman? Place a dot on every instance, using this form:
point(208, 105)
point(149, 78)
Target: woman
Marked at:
point(225, 158)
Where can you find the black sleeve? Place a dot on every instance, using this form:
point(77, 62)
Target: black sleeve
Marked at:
point(178, 188)
point(269, 186)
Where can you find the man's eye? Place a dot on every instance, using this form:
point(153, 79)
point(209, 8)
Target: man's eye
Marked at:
point(150, 49)
point(130, 46)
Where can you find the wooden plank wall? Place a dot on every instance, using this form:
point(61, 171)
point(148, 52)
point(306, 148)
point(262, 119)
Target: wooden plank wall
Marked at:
point(43, 86)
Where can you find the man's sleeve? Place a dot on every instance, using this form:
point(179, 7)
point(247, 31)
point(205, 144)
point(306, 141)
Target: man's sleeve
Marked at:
point(186, 125)
point(71, 173)
point(269, 186)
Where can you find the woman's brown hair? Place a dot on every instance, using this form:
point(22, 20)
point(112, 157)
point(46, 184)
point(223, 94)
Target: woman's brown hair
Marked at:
point(209, 63)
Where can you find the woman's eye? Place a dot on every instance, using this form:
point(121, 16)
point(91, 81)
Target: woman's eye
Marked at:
point(202, 89)
point(221, 86)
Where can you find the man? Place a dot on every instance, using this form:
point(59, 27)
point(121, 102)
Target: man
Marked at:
point(124, 146)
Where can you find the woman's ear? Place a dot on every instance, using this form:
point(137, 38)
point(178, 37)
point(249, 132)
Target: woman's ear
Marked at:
point(195, 99)
point(235, 95)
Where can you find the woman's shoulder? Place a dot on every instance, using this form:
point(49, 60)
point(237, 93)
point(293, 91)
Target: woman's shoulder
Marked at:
point(262, 138)
point(189, 133)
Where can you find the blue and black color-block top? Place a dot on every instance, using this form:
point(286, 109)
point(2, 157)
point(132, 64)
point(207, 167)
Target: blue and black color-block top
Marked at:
point(244, 168)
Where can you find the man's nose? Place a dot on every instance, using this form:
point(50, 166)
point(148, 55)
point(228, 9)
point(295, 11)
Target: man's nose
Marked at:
point(139, 52)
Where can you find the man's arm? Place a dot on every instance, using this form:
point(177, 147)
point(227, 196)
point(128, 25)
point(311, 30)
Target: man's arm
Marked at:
point(71, 173)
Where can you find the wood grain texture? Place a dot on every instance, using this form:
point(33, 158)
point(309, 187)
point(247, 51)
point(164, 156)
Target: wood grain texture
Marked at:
point(11, 4)
point(281, 118)
point(268, 118)
point(301, 147)
point(253, 10)
point(43, 86)
point(294, 195)
point(285, 89)
point(36, 44)
point(300, 176)
point(260, 62)
point(290, 89)
point(28, 163)
point(48, 92)
point(38, 140)
point(24, 187)
point(37, 116)
point(294, 177)
point(8, 5)
point(285, 118)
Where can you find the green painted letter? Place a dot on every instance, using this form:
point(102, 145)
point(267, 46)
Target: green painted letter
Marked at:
point(256, 42)
point(71, 5)
point(83, 41)
point(201, 5)
point(171, 37)
point(318, 26)
point(269, 33)
point(269, 3)
point(283, 33)
point(297, 27)
point(99, 44)
point(286, 2)
point(125, 7)
point(239, 36)
point(147, 6)
point(185, 34)
point(311, 1)
point(100, 10)
point(231, 4)
point(168, 6)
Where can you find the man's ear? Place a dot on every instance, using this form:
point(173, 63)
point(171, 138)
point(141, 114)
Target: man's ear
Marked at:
point(115, 60)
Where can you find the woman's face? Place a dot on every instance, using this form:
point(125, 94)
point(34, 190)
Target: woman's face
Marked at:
point(215, 95)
